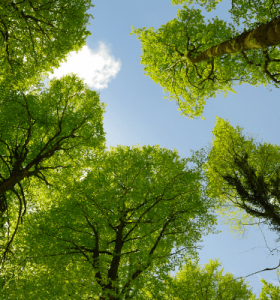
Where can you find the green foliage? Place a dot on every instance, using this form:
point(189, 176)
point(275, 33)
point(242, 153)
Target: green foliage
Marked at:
point(177, 56)
point(42, 133)
point(208, 283)
point(209, 4)
point(113, 224)
point(165, 59)
point(269, 291)
point(252, 13)
point(244, 175)
point(35, 36)
point(133, 217)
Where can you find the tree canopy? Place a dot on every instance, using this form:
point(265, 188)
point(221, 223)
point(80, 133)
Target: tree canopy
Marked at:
point(250, 13)
point(269, 291)
point(193, 60)
point(208, 283)
point(244, 174)
point(35, 36)
point(135, 215)
point(43, 131)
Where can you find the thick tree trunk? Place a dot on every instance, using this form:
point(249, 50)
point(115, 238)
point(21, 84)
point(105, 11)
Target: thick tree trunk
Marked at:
point(264, 36)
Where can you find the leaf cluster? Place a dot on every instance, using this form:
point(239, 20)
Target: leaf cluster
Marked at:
point(245, 174)
point(251, 13)
point(194, 282)
point(35, 36)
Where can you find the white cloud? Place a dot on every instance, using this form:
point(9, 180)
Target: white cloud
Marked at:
point(96, 67)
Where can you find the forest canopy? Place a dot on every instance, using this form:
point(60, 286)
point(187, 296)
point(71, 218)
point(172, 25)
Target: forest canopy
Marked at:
point(81, 221)
point(194, 60)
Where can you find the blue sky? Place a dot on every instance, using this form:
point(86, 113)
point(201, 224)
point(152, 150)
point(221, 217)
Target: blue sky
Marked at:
point(137, 113)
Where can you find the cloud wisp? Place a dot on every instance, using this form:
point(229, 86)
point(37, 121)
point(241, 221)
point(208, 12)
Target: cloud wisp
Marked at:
point(96, 67)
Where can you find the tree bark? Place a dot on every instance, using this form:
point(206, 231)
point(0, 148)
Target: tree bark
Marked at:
point(264, 36)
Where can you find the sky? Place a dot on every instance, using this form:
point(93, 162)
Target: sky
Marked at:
point(137, 113)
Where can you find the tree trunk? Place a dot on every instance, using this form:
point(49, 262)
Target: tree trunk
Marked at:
point(264, 36)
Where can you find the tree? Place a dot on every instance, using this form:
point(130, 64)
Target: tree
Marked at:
point(244, 174)
point(194, 61)
point(208, 283)
point(35, 36)
point(269, 291)
point(133, 217)
point(42, 133)
point(252, 13)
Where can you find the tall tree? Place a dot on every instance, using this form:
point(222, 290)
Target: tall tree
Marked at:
point(193, 61)
point(36, 35)
point(42, 132)
point(245, 175)
point(131, 219)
